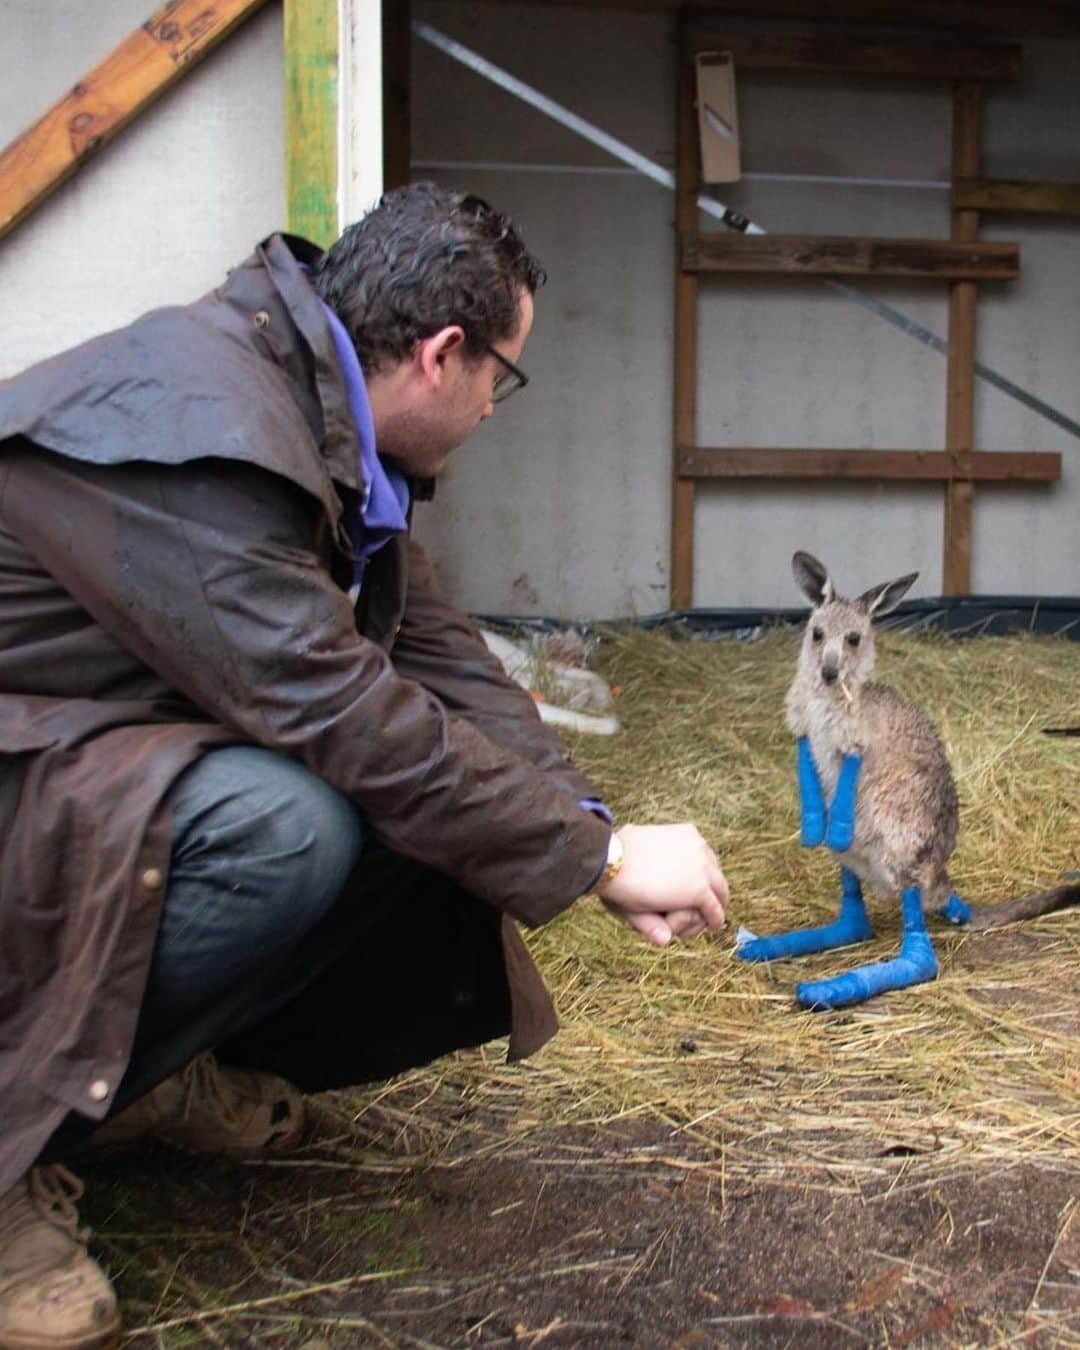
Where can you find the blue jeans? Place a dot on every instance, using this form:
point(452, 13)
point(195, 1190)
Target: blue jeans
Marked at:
point(292, 941)
point(262, 850)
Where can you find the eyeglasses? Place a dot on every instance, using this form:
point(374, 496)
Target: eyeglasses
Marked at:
point(510, 381)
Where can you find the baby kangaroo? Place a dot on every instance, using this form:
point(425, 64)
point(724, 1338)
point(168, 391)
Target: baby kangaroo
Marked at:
point(859, 741)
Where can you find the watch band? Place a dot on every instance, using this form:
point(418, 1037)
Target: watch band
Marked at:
point(614, 861)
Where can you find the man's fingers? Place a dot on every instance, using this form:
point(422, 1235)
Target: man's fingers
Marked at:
point(711, 905)
point(719, 882)
point(679, 920)
point(685, 923)
point(652, 926)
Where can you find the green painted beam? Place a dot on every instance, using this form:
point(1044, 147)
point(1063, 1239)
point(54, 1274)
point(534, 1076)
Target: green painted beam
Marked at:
point(311, 118)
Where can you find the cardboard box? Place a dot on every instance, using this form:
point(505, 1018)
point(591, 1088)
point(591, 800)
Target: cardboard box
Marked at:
point(718, 120)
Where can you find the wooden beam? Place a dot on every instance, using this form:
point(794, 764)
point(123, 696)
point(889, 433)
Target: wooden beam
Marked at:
point(836, 51)
point(311, 118)
point(960, 362)
point(1000, 194)
point(397, 111)
point(1041, 18)
point(684, 413)
point(150, 60)
point(839, 255)
point(913, 466)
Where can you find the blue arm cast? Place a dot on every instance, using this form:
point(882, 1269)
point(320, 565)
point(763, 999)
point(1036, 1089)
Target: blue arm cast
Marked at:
point(811, 798)
point(915, 965)
point(841, 828)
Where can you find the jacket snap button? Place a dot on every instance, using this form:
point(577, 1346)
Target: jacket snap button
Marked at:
point(151, 879)
point(99, 1090)
point(262, 319)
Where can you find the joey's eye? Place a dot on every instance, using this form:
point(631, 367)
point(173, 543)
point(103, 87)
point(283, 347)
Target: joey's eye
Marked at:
point(817, 635)
point(853, 639)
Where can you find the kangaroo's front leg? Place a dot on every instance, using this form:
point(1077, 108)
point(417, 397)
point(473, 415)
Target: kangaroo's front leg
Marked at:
point(915, 965)
point(851, 925)
point(841, 830)
point(811, 798)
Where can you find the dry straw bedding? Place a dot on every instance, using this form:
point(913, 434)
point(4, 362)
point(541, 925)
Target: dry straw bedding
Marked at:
point(980, 1067)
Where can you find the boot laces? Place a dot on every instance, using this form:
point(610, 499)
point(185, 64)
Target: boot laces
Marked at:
point(207, 1091)
point(54, 1191)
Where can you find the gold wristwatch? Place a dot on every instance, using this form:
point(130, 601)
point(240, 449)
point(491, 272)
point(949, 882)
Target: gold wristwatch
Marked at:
point(614, 860)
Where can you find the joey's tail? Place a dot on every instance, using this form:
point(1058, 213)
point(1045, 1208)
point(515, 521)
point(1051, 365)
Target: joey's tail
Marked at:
point(1024, 907)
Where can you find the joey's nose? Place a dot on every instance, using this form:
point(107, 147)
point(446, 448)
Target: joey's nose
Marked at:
point(828, 674)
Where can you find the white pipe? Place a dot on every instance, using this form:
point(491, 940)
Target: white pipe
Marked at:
point(587, 130)
point(815, 179)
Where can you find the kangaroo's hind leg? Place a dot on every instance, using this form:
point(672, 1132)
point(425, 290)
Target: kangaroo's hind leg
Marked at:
point(851, 925)
point(955, 910)
point(915, 965)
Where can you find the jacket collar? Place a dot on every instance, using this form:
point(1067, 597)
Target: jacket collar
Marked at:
point(285, 258)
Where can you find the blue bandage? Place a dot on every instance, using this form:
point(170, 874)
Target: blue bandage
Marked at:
point(915, 965)
point(955, 910)
point(841, 828)
point(811, 798)
point(852, 925)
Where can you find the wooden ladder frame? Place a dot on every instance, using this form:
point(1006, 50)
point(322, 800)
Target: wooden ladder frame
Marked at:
point(962, 261)
point(173, 41)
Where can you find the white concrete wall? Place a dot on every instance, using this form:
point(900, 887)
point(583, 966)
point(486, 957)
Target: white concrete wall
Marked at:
point(158, 216)
point(561, 503)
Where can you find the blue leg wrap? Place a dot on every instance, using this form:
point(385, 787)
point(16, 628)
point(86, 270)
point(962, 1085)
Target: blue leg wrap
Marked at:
point(841, 829)
point(852, 925)
point(955, 910)
point(915, 965)
point(811, 798)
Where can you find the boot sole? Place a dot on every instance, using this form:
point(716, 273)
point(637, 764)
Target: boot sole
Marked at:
point(107, 1338)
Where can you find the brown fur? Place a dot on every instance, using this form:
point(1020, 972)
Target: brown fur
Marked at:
point(907, 822)
point(907, 819)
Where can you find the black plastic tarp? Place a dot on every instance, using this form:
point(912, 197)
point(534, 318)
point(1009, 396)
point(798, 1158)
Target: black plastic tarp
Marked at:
point(964, 615)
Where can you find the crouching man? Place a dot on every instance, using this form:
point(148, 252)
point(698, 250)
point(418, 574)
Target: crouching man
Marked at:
point(268, 809)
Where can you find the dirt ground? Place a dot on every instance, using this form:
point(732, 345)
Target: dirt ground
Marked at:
point(620, 1235)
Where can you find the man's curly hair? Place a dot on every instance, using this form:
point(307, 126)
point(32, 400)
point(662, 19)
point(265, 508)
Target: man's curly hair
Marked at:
point(424, 258)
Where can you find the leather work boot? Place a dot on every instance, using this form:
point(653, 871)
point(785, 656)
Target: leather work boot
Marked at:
point(212, 1109)
point(53, 1296)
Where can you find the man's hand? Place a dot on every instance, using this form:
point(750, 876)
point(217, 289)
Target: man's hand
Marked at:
point(670, 883)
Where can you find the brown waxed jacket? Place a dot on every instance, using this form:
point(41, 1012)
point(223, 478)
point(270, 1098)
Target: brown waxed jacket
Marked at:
point(173, 575)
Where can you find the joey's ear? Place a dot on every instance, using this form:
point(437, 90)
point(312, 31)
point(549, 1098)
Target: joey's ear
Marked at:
point(431, 352)
point(812, 579)
point(883, 599)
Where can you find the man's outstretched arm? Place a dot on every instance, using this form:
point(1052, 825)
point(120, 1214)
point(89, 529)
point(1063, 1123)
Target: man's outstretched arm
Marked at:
point(442, 649)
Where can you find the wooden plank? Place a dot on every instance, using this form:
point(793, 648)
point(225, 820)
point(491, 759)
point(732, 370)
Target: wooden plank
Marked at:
point(913, 466)
point(1000, 194)
point(838, 52)
point(840, 255)
point(960, 363)
point(1046, 18)
point(397, 107)
point(93, 111)
point(311, 118)
point(684, 412)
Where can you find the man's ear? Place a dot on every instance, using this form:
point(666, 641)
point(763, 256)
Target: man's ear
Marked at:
point(431, 352)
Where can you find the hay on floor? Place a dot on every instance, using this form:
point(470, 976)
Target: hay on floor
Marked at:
point(978, 1068)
